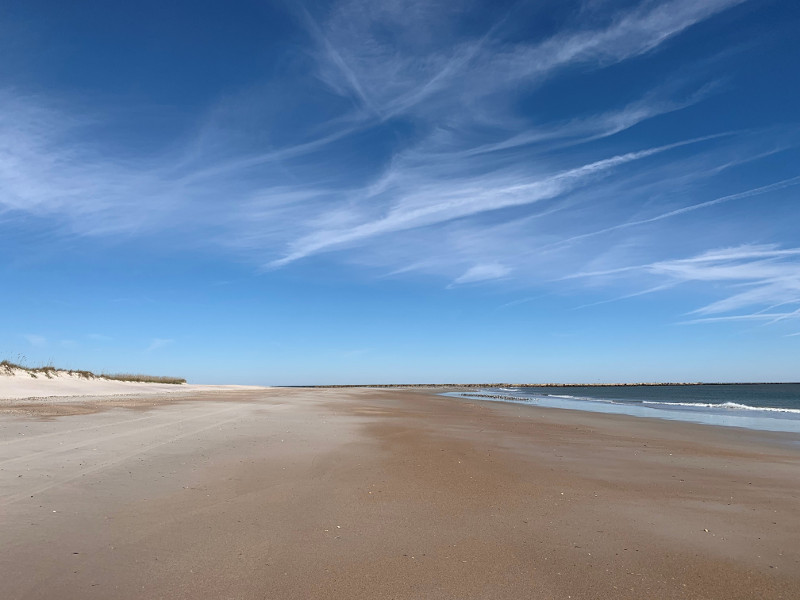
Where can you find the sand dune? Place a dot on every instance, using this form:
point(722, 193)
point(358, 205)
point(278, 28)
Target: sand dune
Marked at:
point(16, 383)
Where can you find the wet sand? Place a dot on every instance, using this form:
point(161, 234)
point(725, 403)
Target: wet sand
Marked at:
point(388, 494)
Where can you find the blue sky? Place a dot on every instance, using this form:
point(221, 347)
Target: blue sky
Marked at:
point(400, 191)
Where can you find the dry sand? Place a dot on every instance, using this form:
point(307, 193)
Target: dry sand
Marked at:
point(388, 494)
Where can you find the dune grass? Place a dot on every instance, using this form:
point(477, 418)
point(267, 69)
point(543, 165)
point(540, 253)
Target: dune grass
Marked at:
point(143, 378)
point(7, 367)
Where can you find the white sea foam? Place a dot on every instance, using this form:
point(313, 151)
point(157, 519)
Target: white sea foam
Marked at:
point(583, 398)
point(720, 405)
point(728, 405)
point(540, 396)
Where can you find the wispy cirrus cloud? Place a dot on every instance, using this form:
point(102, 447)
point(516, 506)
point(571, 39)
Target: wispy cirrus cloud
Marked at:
point(407, 139)
point(482, 272)
point(98, 337)
point(158, 343)
point(432, 202)
point(758, 278)
point(752, 193)
point(436, 59)
point(47, 167)
point(36, 340)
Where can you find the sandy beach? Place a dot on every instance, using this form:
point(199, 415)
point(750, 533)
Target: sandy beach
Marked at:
point(361, 493)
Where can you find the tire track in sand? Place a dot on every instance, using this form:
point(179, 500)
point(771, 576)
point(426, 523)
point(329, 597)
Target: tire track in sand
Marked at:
point(105, 438)
point(13, 498)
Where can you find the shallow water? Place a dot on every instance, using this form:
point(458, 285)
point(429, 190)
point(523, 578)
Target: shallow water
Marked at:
point(767, 407)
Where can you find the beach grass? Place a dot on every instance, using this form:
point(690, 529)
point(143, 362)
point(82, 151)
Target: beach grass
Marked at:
point(143, 378)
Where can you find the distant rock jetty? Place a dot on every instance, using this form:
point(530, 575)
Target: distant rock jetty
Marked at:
point(535, 385)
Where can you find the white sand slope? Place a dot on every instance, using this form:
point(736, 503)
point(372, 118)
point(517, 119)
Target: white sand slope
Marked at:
point(18, 384)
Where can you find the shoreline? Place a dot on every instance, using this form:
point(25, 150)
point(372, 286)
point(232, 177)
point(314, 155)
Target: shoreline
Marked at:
point(65, 405)
point(423, 386)
point(749, 418)
point(685, 428)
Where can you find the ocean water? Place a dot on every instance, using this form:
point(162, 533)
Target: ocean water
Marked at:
point(764, 406)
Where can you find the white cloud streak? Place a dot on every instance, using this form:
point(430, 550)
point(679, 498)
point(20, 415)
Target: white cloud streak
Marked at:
point(158, 343)
point(765, 189)
point(431, 203)
point(770, 277)
point(35, 340)
point(482, 272)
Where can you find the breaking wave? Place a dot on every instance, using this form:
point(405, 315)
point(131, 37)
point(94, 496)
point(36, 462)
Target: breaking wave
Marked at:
point(727, 405)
